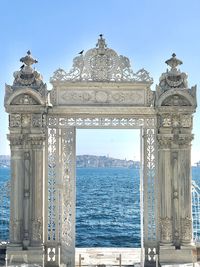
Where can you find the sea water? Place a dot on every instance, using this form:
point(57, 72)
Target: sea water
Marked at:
point(107, 206)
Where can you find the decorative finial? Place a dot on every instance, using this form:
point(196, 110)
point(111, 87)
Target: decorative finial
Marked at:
point(28, 60)
point(27, 76)
point(101, 45)
point(173, 62)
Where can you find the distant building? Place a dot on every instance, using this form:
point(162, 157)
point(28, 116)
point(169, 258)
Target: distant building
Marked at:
point(89, 161)
point(92, 161)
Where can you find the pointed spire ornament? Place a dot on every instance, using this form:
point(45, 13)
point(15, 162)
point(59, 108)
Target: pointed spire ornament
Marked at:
point(28, 60)
point(173, 62)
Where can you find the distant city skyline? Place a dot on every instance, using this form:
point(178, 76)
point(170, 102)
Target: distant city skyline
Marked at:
point(117, 143)
point(147, 32)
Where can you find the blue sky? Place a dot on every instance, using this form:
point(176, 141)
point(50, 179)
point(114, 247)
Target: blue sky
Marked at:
point(146, 31)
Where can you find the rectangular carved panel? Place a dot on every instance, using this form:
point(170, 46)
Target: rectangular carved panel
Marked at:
point(105, 96)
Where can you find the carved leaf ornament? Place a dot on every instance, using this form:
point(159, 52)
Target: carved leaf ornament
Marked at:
point(101, 64)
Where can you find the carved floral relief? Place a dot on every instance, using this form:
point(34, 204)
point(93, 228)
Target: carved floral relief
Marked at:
point(186, 229)
point(166, 229)
point(102, 96)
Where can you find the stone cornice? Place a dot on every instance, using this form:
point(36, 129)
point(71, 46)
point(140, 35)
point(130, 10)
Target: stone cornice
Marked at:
point(94, 111)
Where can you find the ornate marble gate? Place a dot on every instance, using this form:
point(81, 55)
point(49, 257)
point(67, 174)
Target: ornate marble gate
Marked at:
point(100, 91)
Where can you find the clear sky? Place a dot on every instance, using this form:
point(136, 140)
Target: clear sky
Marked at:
point(146, 31)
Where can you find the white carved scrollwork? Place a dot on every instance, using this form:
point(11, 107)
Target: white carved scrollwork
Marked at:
point(113, 122)
point(68, 202)
point(150, 191)
point(101, 64)
point(52, 194)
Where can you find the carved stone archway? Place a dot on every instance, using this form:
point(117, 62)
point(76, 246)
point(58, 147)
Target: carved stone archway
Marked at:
point(100, 91)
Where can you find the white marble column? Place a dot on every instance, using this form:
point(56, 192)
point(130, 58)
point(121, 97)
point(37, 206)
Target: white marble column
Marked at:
point(17, 193)
point(27, 199)
point(185, 204)
point(164, 172)
point(175, 197)
point(37, 188)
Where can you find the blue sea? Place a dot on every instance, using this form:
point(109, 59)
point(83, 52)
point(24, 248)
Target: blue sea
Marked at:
point(107, 206)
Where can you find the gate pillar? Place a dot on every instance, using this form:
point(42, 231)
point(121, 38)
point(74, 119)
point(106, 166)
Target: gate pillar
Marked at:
point(175, 104)
point(25, 101)
point(61, 198)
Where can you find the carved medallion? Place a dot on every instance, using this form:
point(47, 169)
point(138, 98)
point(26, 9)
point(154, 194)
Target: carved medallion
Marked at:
point(101, 96)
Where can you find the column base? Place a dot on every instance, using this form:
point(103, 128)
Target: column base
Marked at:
point(16, 255)
point(171, 255)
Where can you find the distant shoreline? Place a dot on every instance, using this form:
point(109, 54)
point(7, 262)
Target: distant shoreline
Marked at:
point(91, 161)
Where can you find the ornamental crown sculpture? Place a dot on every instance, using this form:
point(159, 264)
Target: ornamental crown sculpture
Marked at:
point(101, 64)
point(27, 76)
point(173, 87)
point(28, 87)
point(173, 78)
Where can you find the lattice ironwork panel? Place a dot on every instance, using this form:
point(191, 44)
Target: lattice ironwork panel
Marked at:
point(68, 177)
point(52, 190)
point(101, 122)
point(150, 188)
point(61, 174)
point(61, 192)
point(196, 211)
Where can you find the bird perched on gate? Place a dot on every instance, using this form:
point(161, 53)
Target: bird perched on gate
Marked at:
point(80, 53)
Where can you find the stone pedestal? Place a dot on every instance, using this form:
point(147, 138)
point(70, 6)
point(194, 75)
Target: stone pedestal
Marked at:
point(171, 255)
point(17, 255)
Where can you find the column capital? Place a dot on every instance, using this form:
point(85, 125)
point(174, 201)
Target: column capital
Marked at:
point(16, 140)
point(165, 141)
point(37, 141)
point(183, 140)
